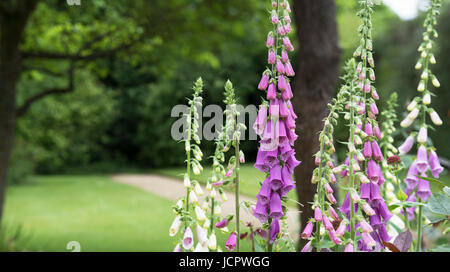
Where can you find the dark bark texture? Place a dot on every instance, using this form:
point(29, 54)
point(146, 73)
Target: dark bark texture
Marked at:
point(13, 18)
point(317, 74)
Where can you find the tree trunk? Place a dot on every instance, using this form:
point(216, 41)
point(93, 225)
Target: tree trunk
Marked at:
point(12, 25)
point(317, 74)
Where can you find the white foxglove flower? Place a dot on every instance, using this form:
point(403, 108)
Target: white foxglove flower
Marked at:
point(200, 213)
point(193, 197)
point(187, 181)
point(421, 86)
point(422, 136)
point(435, 118)
point(435, 82)
point(202, 236)
point(223, 196)
point(412, 105)
point(406, 123)
point(413, 114)
point(200, 248)
point(217, 210)
point(427, 99)
point(198, 189)
point(175, 226)
point(212, 242)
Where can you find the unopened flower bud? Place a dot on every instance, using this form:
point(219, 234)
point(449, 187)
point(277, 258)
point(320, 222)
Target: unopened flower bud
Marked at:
point(435, 118)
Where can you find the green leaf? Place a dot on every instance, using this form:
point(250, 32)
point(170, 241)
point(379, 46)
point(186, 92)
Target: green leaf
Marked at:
point(440, 204)
point(441, 183)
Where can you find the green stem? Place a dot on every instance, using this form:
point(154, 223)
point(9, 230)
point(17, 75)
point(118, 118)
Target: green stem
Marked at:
point(269, 244)
point(419, 229)
point(352, 176)
point(237, 204)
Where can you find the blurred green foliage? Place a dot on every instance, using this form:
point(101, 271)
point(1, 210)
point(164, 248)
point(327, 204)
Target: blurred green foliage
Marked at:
point(119, 113)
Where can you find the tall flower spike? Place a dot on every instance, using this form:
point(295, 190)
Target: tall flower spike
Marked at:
point(189, 203)
point(362, 168)
point(276, 156)
point(323, 174)
point(233, 130)
point(420, 107)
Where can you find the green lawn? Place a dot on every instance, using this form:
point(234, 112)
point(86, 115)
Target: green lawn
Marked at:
point(249, 184)
point(100, 214)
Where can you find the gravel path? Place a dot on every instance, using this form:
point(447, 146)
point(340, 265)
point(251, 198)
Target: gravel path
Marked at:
point(172, 188)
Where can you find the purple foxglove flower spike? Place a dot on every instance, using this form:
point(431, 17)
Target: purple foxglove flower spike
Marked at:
point(188, 238)
point(376, 151)
point(318, 214)
point(264, 82)
point(276, 211)
point(274, 230)
point(308, 230)
point(271, 92)
point(435, 165)
point(406, 146)
point(367, 150)
point(422, 160)
point(231, 242)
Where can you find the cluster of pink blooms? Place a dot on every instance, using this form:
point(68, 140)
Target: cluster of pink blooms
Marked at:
point(275, 123)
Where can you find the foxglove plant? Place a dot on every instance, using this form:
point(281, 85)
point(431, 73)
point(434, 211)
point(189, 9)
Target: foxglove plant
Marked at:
point(364, 154)
point(234, 128)
point(276, 125)
point(417, 188)
point(190, 203)
point(324, 213)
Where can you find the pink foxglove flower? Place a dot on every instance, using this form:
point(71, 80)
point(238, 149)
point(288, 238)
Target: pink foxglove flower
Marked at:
point(276, 211)
point(367, 150)
point(307, 247)
point(308, 230)
point(270, 41)
point(406, 146)
point(422, 136)
point(318, 214)
point(271, 92)
point(287, 43)
point(264, 82)
point(368, 129)
point(435, 165)
point(261, 120)
point(188, 239)
point(231, 242)
point(423, 189)
point(222, 224)
point(272, 57)
point(274, 230)
point(422, 160)
point(376, 151)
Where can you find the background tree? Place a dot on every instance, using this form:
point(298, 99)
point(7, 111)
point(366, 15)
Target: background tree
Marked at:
point(315, 82)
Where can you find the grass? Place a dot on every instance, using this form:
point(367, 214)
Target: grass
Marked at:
point(249, 182)
point(100, 214)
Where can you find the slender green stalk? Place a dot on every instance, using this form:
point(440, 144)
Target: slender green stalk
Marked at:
point(237, 203)
point(419, 229)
